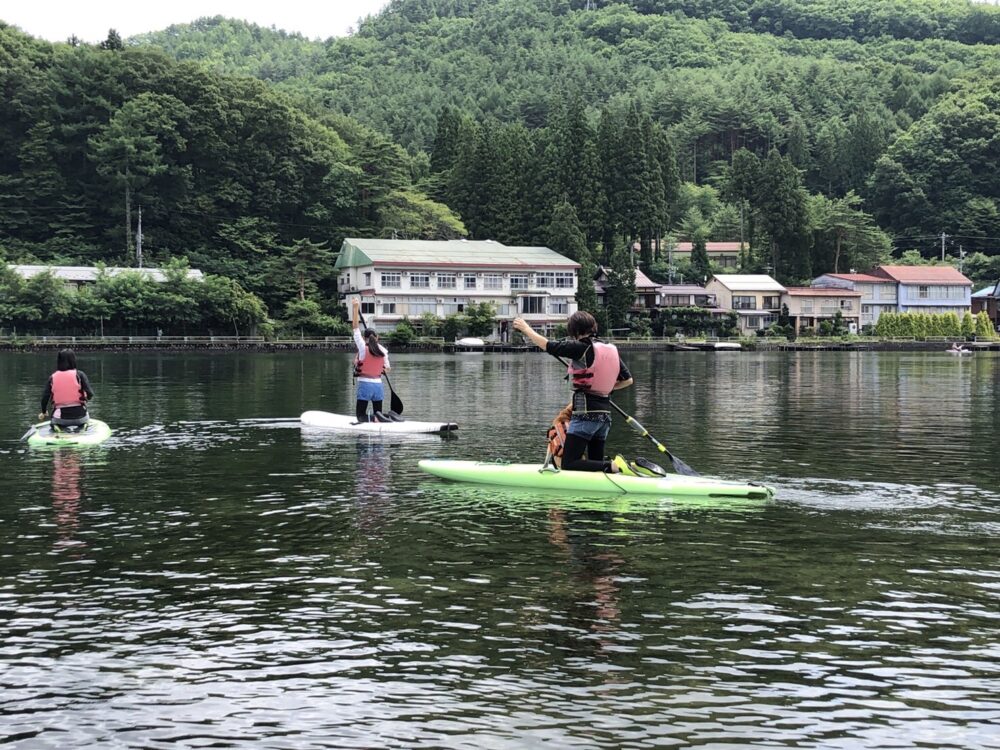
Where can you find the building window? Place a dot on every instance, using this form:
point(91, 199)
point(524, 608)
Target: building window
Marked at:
point(807, 305)
point(752, 322)
point(470, 282)
point(454, 306)
point(554, 280)
point(422, 307)
point(866, 309)
point(518, 281)
point(558, 306)
point(392, 279)
point(532, 305)
point(368, 279)
point(744, 303)
point(772, 303)
point(446, 281)
point(388, 308)
point(922, 292)
point(367, 308)
point(492, 281)
point(846, 304)
point(420, 280)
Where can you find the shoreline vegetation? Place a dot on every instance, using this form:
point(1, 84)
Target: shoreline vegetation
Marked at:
point(192, 344)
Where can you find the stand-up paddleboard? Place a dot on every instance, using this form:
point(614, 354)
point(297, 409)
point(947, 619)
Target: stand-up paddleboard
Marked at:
point(92, 433)
point(329, 421)
point(532, 475)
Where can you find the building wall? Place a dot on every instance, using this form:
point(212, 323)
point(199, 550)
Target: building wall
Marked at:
point(389, 295)
point(935, 298)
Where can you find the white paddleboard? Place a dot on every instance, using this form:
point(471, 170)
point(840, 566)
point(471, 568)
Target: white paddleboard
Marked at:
point(329, 421)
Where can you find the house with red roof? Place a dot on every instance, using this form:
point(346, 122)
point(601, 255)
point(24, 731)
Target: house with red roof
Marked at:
point(725, 254)
point(928, 289)
point(646, 290)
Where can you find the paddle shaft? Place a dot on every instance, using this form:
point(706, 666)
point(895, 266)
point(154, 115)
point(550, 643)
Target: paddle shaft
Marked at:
point(679, 466)
point(395, 402)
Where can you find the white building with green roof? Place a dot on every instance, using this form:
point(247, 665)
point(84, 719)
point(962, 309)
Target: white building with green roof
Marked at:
point(398, 279)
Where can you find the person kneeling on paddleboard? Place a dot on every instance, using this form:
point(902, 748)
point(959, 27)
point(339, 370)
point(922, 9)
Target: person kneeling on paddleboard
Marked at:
point(595, 370)
point(371, 362)
point(68, 390)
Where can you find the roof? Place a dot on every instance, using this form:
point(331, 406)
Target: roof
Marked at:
point(682, 289)
point(923, 274)
point(865, 278)
point(466, 253)
point(749, 282)
point(989, 291)
point(89, 273)
point(710, 247)
point(642, 281)
point(820, 291)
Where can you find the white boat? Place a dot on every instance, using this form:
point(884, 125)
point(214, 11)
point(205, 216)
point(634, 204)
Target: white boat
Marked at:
point(329, 421)
point(722, 346)
point(471, 342)
point(959, 352)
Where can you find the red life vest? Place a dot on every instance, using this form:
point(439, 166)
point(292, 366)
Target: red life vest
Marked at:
point(601, 376)
point(66, 389)
point(369, 367)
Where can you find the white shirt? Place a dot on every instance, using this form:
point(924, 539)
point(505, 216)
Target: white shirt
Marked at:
point(359, 342)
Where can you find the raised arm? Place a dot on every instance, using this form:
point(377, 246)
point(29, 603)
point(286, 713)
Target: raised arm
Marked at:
point(530, 333)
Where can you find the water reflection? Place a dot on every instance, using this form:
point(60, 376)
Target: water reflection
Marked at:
point(66, 482)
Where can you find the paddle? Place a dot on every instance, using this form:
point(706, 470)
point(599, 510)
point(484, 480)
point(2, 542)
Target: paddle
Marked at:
point(395, 402)
point(679, 466)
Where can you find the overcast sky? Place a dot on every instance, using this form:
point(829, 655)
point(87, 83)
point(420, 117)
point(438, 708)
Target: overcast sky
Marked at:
point(57, 20)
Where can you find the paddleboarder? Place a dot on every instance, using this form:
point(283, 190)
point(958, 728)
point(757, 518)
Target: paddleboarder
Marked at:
point(369, 365)
point(68, 391)
point(595, 371)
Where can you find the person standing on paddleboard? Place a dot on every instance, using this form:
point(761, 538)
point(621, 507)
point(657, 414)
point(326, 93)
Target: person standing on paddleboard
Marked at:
point(595, 370)
point(371, 362)
point(68, 390)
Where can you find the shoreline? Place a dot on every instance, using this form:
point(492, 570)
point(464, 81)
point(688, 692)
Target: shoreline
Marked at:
point(226, 344)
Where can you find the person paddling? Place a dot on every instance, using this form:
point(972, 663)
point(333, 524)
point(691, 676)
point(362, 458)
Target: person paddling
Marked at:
point(371, 362)
point(68, 390)
point(596, 370)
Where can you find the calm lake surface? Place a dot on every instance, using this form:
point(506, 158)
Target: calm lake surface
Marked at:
point(215, 576)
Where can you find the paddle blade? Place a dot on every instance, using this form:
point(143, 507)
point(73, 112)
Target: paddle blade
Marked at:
point(682, 468)
point(395, 402)
point(32, 430)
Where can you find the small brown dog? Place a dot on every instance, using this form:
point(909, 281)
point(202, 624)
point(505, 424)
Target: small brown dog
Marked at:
point(556, 437)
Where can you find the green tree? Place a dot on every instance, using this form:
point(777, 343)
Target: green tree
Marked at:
point(700, 265)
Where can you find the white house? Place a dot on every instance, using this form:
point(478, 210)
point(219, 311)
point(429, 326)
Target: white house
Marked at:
point(77, 276)
point(398, 279)
point(755, 298)
point(879, 294)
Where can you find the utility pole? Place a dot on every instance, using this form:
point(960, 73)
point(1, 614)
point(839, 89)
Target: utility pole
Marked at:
point(943, 237)
point(961, 259)
point(138, 239)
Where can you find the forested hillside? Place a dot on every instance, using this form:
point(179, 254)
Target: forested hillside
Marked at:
point(869, 107)
point(227, 172)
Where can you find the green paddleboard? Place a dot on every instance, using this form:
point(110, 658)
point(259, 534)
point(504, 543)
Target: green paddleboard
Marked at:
point(532, 476)
point(93, 433)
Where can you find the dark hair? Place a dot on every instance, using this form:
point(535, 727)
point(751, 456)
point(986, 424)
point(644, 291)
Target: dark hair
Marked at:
point(372, 337)
point(581, 323)
point(66, 360)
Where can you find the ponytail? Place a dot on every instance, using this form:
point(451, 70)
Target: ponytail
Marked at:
point(373, 348)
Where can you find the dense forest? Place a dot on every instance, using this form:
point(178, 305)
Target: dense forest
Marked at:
point(824, 135)
point(227, 172)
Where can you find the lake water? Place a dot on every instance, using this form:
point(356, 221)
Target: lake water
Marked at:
point(215, 576)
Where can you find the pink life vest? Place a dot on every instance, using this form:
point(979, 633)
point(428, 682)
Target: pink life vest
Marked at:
point(601, 376)
point(369, 367)
point(66, 389)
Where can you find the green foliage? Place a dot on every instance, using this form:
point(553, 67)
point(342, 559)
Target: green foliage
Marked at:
point(306, 318)
point(701, 268)
point(694, 321)
point(129, 302)
point(402, 334)
point(479, 318)
point(968, 324)
point(984, 327)
point(620, 294)
point(454, 326)
point(920, 325)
